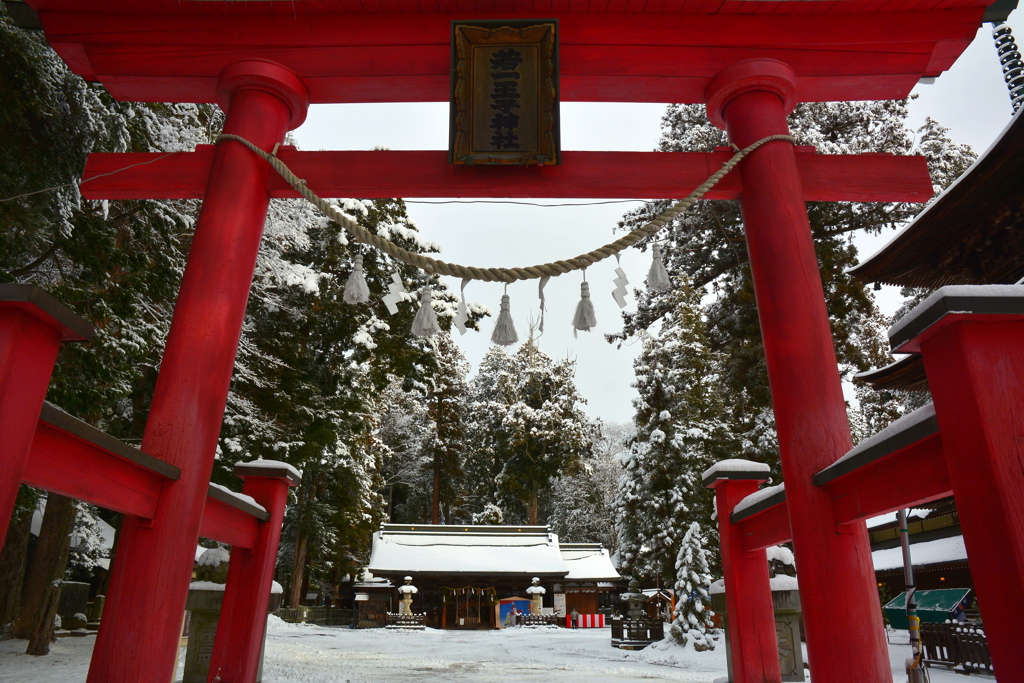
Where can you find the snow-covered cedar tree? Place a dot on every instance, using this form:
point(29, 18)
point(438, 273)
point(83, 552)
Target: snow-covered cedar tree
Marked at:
point(311, 371)
point(581, 508)
point(707, 245)
point(117, 263)
point(421, 432)
point(682, 427)
point(693, 615)
point(491, 516)
point(525, 428)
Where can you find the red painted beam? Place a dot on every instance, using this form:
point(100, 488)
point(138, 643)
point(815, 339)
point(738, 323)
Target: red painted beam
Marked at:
point(228, 524)
point(374, 174)
point(767, 528)
point(63, 463)
point(613, 56)
point(75, 460)
point(908, 477)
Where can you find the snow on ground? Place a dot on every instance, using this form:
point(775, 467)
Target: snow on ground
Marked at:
point(304, 653)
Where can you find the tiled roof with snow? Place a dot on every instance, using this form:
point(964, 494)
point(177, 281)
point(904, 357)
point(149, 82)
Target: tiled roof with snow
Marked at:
point(588, 562)
point(940, 551)
point(448, 549)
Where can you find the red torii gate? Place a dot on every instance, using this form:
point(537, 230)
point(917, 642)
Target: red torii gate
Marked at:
point(749, 60)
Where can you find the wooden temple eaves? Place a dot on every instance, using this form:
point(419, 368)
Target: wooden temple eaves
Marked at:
point(972, 234)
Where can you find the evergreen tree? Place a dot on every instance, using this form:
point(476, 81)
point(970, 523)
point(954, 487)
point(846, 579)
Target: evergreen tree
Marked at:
point(582, 504)
point(707, 245)
point(682, 427)
point(693, 597)
point(528, 428)
point(446, 392)
point(118, 264)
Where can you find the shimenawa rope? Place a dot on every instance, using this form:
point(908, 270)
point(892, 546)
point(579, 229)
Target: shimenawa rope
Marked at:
point(432, 265)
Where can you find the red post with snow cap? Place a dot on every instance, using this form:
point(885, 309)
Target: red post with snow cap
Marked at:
point(971, 340)
point(845, 636)
point(243, 616)
point(140, 632)
point(753, 644)
point(32, 326)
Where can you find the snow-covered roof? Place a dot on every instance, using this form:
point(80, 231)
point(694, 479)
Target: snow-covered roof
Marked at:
point(588, 562)
point(448, 549)
point(939, 551)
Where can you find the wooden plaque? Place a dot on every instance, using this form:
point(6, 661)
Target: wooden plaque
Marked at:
point(504, 104)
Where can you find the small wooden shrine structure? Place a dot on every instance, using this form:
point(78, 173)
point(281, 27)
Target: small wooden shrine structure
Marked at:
point(749, 61)
point(463, 573)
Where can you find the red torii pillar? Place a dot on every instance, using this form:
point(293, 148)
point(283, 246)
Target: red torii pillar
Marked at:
point(753, 641)
point(972, 342)
point(239, 642)
point(845, 636)
point(32, 326)
point(139, 636)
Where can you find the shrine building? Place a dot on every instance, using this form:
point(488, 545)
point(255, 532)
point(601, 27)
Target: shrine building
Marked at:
point(466, 573)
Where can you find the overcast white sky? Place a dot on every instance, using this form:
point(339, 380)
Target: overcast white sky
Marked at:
point(970, 99)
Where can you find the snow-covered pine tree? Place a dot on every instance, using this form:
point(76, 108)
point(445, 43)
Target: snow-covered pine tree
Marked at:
point(445, 396)
point(581, 508)
point(693, 613)
point(527, 428)
point(682, 427)
point(707, 244)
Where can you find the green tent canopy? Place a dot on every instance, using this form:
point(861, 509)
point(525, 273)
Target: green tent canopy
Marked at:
point(933, 607)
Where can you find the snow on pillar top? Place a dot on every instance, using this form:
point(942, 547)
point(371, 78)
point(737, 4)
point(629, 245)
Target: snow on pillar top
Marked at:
point(274, 469)
point(735, 469)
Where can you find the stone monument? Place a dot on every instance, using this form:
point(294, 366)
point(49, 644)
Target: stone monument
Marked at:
point(536, 593)
point(786, 604)
point(407, 591)
point(205, 597)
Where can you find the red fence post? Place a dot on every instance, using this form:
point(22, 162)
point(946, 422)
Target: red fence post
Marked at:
point(845, 635)
point(243, 616)
point(753, 644)
point(139, 634)
point(975, 367)
point(32, 326)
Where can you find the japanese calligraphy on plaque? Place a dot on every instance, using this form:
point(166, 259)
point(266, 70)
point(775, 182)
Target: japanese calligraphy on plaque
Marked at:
point(504, 107)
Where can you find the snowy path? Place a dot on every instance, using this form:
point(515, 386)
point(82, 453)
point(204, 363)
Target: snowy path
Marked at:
point(303, 653)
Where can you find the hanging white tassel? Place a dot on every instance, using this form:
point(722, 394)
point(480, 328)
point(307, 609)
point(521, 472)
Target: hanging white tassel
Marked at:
point(543, 302)
point(463, 315)
point(425, 322)
point(657, 277)
point(619, 293)
point(356, 290)
point(585, 318)
point(504, 329)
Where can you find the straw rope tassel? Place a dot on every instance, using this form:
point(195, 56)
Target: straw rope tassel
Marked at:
point(504, 329)
point(432, 265)
point(585, 318)
point(356, 289)
point(425, 322)
point(657, 277)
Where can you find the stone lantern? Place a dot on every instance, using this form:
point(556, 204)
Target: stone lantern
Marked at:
point(635, 599)
point(536, 593)
point(407, 591)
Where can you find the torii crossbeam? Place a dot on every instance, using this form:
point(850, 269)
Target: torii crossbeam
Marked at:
point(750, 61)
